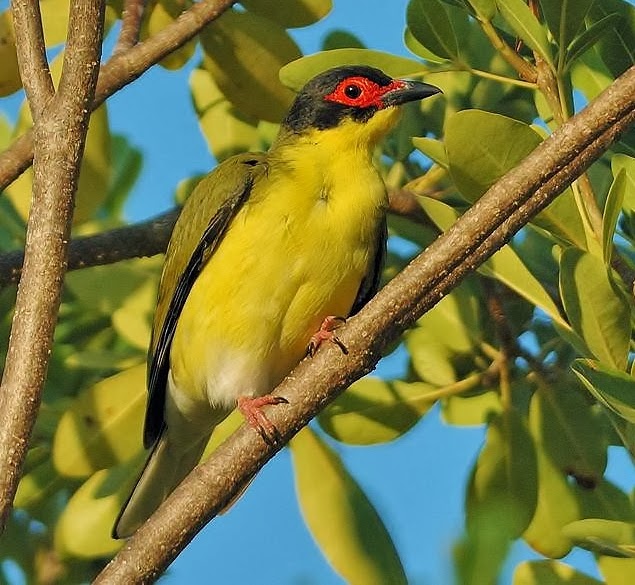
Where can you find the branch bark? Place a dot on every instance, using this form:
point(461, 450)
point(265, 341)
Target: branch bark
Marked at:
point(60, 126)
point(482, 230)
point(123, 68)
point(134, 241)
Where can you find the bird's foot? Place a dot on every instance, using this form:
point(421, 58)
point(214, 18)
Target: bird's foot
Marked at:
point(326, 333)
point(251, 410)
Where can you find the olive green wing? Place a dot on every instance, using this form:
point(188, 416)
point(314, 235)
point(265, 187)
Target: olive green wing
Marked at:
point(199, 229)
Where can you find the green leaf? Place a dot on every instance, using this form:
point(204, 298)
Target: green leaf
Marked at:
point(522, 20)
point(603, 536)
point(298, 72)
point(103, 426)
point(550, 573)
point(243, 53)
point(10, 80)
point(290, 13)
point(37, 485)
point(340, 517)
point(612, 210)
point(415, 47)
point(161, 14)
point(556, 507)
point(567, 427)
point(617, 571)
point(429, 23)
point(85, 525)
point(471, 410)
point(226, 130)
point(374, 411)
point(617, 45)
point(583, 42)
point(611, 388)
point(502, 493)
point(445, 334)
point(596, 308)
point(621, 162)
point(564, 18)
point(475, 165)
point(341, 39)
point(433, 149)
point(503, 486)
point(507, 267)
point(486, 9)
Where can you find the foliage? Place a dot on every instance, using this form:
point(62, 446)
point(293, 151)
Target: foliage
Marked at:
point(537, 344)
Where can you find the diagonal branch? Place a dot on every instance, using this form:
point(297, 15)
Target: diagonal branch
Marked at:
point(61, 123)
point(122, 69)
point(482, 230)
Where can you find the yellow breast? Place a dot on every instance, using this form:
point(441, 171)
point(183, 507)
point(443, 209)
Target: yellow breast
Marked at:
point(295, 253)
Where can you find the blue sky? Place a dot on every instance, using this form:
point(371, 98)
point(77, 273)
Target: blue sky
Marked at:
point(416, 483)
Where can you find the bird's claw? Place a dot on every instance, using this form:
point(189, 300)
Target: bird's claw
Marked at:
point(251, 410)
point(326, 333)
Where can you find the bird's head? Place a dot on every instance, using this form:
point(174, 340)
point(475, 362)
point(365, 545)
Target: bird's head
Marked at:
point(356, 100)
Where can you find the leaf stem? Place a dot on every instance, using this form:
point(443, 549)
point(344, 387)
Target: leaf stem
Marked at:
point(525, 70)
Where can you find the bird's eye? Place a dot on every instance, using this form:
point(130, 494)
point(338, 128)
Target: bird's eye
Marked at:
point(352, 91)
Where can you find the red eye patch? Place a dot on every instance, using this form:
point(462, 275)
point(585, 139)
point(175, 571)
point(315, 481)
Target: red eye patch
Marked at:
point(361, 92)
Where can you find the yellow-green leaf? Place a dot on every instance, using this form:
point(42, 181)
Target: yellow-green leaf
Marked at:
point(604, 536)
point(374, 411)
point(617, 571)
point(161, 14)
point(550, 573)
point(84, 528)
point(556, 507)
point(103, 427)
point(522, 20)
point(226, 130)
point(10, 80)
point(340, 517)
point(596, 308)
point(298, 72)
point(244, 53)
point(431, 26)
point(290, 13)
point(94, 176)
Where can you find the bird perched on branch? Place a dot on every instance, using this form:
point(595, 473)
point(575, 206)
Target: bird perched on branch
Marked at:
point(268, 252)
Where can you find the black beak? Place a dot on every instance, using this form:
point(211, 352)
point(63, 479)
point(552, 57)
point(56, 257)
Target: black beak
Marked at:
point(406, 90)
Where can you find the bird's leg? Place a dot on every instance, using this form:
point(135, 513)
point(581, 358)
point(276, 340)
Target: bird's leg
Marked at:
point(326, 333)
point(251, 410)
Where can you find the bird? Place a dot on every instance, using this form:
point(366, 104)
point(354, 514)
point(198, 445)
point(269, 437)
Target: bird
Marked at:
point(270, 252)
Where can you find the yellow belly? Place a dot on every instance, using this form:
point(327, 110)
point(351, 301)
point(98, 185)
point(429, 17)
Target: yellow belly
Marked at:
point(289, 259)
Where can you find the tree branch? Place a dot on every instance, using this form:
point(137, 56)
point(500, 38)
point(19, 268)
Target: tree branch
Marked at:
point(34, 68)
point(60, 127)
point(121, 69)
point(132, 241)
point(131, 17)
point(482, 230)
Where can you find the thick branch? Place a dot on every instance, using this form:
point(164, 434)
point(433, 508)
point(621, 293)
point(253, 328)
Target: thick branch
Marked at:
point(59, 134)
point(488, 225)
point(121, 69)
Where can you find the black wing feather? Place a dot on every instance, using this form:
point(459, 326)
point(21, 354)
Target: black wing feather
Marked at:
point(160, 363)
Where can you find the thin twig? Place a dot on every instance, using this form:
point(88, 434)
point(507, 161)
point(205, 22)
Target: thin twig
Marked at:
point(59, 133)
point(482, 230)
point(121, 70)
point(131, 18)
point(34, 67)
